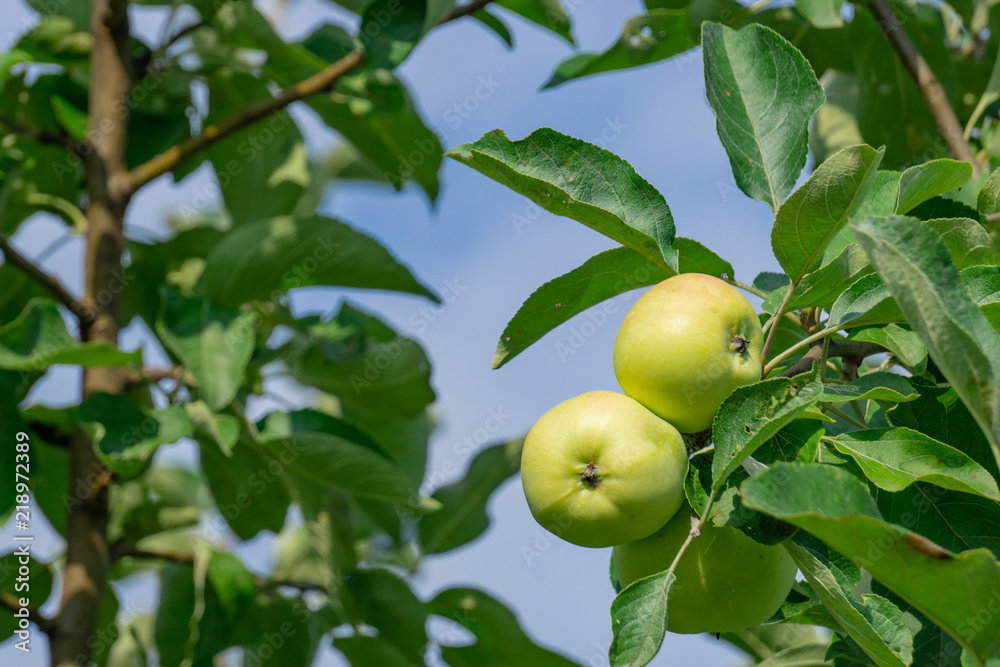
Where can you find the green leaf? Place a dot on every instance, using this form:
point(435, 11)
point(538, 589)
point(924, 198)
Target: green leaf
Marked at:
point(462, 517)
point(647, 38)
point(213, 342)
point(809, 655)
point(764, 131)
point(988, 201)
point(815, 212)
point(821, 13)
point(848, 613)
point(333, 463)
point(362, 361)
point(561, 299)
point(126, 436)
point(866, 301)
point(385, 602)
point(39, 338)
point(902, 342)
point(951, 589)
point(878, 386)
point(639, 620)
point(920, 183)
point(268, 615)
point(264, 259)
point(918, 271)
point(967, 241)
point(361, 651)
point(751, 415)
point(249, 501)
point(395, 28)
point(500, 640)
point(894, 458)
point(570, 177)
point(824, 285)
point(939, 413)
point(262, 170)
point(496, 25)
point(548, 14)
point(882, 197)
point(798, 441)
point(984, 288)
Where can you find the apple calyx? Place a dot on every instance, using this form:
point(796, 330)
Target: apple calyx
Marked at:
point(590, 476)
point(739, 343)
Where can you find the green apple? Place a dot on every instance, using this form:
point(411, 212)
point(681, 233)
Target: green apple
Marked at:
point(685, 345)
point(725, 580)
point(600, 470)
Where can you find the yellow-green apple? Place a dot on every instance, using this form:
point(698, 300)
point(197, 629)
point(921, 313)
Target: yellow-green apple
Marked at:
point(725, 580)
point(685, 345)
point(600, 470)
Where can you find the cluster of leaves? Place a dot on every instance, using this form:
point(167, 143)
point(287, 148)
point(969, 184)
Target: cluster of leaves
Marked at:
point(881, 480)
point(215, 298)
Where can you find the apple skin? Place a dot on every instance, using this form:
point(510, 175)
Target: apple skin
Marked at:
point(725, 580)
point(600, 470)
point(685, 345)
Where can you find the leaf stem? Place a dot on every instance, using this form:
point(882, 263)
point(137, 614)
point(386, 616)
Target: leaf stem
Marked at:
point(747, 288)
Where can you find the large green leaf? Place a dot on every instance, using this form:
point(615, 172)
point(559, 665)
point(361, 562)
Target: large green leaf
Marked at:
point(920, 183)
point(277, 631)
point(916, 267)
point(639, 620)
point(500, 640)
point(462, 517)
point(602, 277)
point(213, 342)
point(953, 590)
point(392, 30)
point(589, 184)
point(248, 500)
point(894, 458)
point(39, 338)
point(763, 93)
point(385, 602)
point(330, 462)
point(815, 212)
point(883, 649)
point(647, 38)
point(878, 386)
point(362, 361)
point(866, 301)
point(264, 259)
point(824, 285)
point(751, 415)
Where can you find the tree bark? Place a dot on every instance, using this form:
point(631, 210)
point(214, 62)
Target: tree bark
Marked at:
point(87, 553)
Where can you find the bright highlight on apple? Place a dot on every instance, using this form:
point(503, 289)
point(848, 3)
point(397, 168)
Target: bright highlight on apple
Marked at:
point(604, 469)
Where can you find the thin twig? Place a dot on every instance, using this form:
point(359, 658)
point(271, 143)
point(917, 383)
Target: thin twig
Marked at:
point(41, 135)
point(10, 602)
point(843, 415)
point(50, 283)
point(774, 326)
point(929, 85)
point(322, 81)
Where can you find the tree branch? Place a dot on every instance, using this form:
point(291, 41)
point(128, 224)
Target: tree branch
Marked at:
point(847, 349)
point(10, 602)
point(320, 82)
point(930, 87)
point(53, 286)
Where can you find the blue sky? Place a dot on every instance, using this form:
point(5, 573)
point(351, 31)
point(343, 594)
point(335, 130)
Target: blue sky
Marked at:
point(476, 242)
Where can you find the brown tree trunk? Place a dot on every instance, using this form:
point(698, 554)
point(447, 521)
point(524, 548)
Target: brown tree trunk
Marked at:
point(87, 556)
